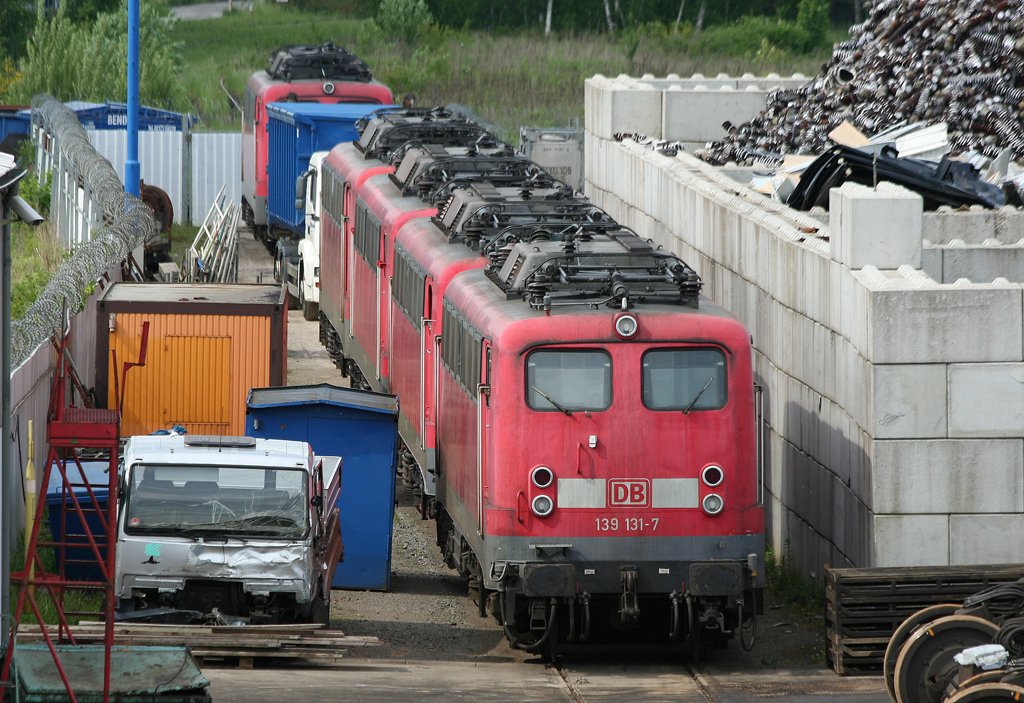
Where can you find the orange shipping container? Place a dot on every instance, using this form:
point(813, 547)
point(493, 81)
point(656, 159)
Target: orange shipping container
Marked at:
point(209, 344)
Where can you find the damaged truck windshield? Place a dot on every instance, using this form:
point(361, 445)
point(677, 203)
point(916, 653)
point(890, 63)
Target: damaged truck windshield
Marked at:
point(211, 500)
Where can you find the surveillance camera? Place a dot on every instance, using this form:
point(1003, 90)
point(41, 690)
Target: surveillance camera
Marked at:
point(24, 211)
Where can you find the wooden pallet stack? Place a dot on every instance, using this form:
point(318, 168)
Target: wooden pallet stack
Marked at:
point(863, 607)
point(243, 644)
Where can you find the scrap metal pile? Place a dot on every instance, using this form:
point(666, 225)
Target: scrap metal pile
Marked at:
point(912, 61)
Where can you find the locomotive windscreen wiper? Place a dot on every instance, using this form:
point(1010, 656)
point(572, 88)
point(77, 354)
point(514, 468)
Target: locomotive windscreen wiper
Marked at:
point(697, 397)
point(551, 400)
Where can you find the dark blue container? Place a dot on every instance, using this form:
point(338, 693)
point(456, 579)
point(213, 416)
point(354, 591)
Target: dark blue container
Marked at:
point(294, 132)
point(362, 428)
point(79, 562)
point(13, 120)
point(110, 115)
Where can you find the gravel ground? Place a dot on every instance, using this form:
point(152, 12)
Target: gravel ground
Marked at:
point(427, 614)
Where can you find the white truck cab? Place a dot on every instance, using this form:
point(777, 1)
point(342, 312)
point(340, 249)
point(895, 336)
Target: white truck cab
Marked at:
point(300, 265)
point(226, 527)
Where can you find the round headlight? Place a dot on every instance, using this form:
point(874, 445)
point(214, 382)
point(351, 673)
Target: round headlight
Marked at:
point(542, 506)
point(712, 475)
point(542, 477)
point(712, 504)
point(626, 326)
point(328, 88)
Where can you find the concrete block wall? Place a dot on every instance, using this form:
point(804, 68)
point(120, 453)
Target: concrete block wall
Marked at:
point(688, 110)
point(894, 399)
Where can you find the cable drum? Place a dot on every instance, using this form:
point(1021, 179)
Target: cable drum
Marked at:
point(1011, 636)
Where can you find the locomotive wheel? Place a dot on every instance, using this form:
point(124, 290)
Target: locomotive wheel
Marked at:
point(994, 676)
point(925, 665)
point(986, 692)
point(903, 633)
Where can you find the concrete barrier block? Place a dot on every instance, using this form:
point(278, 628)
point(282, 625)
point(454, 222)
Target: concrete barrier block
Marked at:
point(817, 304)
point(1009, 225)
point(853, 306)
point(972, 226)
point(931, 261)
point(697, 115)
point(826, 430)
point(981, 539)
point(910, 540)
point(908, 401)
point(920, 323)
point(853, 382)
point(776, 466)
point(982, 263)
point(598, 93)
point(986, 400)
point(942, 476)
point(861, 470)
point(878, 227)
point(635, 107)
point(835, 296)
point(823, 361)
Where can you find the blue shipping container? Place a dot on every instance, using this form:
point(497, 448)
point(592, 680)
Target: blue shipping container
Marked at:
point(294, 132)
point(13, 120)
point(362, 428)
point(109, 115)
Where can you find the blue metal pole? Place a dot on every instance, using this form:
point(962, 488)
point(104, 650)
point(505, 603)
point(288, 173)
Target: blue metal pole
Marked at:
point(131, 165)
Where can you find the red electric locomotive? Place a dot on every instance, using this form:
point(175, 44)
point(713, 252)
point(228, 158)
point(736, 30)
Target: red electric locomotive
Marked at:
point(560, 362)
point(588, 420)
point(346, 170)
point(323, 74)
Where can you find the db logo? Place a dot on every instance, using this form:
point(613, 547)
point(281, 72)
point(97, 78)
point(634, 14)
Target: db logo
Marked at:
point(632, 492)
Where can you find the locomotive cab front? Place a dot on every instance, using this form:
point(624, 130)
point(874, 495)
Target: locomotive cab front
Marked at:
point(612, 492)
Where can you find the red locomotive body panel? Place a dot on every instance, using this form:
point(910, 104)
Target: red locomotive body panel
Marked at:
point(350, 169)
point(628, 483)
point(388, 211)
point(414, 369)
point(261, 90)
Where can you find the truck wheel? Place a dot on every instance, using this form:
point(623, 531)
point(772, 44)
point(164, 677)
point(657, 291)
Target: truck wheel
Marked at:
point(293, 301)
point(310, 311)
point(320, 611)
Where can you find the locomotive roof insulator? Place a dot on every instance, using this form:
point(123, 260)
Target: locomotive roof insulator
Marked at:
point(481, 204)
point(612, 268)
point(433, 172)
point(389, 129)
point(326, 61)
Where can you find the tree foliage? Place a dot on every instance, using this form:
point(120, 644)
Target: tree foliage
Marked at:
point(591, 16)
point(89, 10)
point(83, 61)
point(16, 20)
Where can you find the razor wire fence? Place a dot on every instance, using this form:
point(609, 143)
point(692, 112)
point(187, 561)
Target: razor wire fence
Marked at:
point(97, 221)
